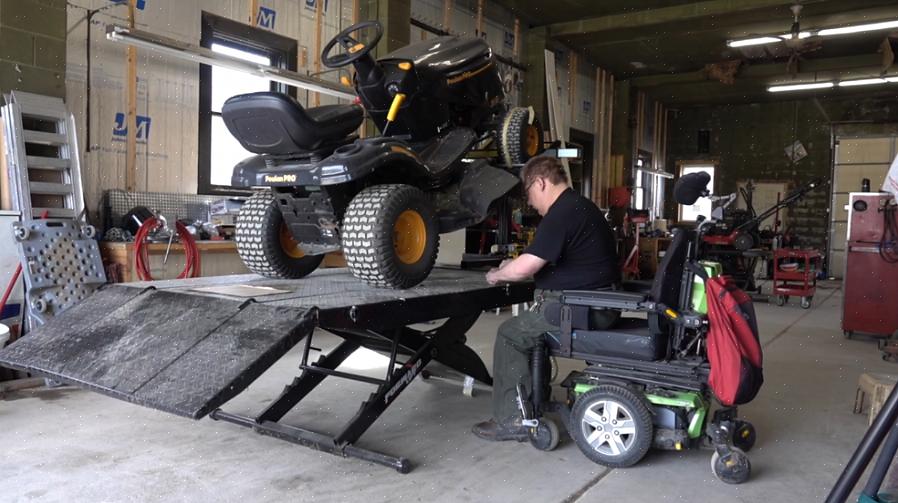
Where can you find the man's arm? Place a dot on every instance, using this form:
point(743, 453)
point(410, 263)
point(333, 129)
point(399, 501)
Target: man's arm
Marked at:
point(521, 268)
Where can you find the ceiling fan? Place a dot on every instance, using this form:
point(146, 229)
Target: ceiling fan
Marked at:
point(798, 42)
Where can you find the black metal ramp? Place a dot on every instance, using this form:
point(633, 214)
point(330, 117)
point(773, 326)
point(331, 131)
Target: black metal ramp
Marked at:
point(184, 354)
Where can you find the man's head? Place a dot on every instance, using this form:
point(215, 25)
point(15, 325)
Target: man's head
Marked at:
point(544, 179)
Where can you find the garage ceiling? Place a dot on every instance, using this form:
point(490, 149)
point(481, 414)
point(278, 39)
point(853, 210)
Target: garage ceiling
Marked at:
point(666, 45)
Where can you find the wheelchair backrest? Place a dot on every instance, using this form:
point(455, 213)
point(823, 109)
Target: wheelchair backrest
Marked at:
point(666, 287)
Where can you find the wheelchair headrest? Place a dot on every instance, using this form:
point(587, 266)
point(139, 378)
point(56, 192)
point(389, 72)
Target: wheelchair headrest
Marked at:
point(690, 187)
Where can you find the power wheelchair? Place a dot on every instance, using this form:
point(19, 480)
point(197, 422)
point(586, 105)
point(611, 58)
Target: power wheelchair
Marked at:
point(646, 380)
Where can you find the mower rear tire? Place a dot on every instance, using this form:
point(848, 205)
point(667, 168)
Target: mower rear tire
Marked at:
point(265, 244)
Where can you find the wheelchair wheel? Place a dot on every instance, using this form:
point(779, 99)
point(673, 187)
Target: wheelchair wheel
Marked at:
point(546, 436)
point(612, 426)
point(744, 436)
point(733, 467)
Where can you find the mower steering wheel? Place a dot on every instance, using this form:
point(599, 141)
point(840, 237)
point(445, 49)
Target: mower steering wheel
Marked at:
point(355, 49)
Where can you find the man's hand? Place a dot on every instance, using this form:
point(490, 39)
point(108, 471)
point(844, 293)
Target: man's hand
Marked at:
point(492, 276)
point(519, 269)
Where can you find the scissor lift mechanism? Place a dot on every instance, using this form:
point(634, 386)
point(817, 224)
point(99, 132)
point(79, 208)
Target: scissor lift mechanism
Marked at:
point(189, 346)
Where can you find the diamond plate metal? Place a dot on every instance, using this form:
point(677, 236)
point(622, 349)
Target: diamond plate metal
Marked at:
point(61, 262)
point(178, 353)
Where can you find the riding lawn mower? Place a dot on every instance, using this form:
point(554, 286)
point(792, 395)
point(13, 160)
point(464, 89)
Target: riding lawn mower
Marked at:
point(382, 200)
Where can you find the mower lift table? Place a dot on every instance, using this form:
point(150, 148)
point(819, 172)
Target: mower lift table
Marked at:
point(188, 346)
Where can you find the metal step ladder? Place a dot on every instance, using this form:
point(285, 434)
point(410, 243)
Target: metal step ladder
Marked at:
point(42, 156)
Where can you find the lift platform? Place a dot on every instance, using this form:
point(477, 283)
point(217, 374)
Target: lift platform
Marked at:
point(188, 346)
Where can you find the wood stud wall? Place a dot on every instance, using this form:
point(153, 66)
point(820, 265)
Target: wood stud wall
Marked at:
point(603, 175)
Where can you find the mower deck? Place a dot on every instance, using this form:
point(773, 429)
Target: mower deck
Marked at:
point(188, 346)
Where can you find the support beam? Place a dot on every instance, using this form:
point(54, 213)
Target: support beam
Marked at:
point(131, 81)
point(319, 27)
point(676, 13)
point(253, 13)
point(394, 15)
point(533, 57)
point(447, 16)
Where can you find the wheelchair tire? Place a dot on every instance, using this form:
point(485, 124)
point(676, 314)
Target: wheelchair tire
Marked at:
point(745, 436)
point(612, 426)
point(546, 436)
point(733, 467)
point(266, 245)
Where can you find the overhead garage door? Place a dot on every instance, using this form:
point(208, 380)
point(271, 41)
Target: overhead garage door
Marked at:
point(855, 158)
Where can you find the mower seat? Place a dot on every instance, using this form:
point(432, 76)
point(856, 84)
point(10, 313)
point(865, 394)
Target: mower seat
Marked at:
point(275, 123)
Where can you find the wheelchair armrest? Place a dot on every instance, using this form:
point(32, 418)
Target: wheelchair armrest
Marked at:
point(606, 299)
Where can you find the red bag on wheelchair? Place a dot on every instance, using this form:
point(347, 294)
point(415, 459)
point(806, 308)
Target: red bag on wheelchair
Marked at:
point(734, 351)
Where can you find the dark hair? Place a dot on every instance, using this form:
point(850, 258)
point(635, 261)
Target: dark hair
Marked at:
point(545, 167)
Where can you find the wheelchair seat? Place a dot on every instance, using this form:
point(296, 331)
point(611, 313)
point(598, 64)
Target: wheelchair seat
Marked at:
point(275, 123)
point(645, 339)
point(628, 338)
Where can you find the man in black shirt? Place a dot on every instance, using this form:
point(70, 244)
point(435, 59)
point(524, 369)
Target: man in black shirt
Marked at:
point(574, 249)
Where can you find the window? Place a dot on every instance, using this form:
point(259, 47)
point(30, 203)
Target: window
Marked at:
point(219, 151)
point(648, 186)
point(703, 205)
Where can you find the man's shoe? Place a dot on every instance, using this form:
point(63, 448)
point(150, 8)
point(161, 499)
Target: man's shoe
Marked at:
point(496, 432)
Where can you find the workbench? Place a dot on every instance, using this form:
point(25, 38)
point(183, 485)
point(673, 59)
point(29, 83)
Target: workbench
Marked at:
point(188, 346)
point(217, 258)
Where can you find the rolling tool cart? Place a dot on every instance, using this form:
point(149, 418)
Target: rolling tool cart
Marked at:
point(795, 274)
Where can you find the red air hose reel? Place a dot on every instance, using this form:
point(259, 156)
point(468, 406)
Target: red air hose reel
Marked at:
point(141, 254)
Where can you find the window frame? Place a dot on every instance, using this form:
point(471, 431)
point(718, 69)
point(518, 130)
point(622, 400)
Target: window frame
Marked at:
point(220, 30)
point(714, 165)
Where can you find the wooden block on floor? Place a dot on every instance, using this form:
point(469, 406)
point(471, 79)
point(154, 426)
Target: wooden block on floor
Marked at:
point(874, 388)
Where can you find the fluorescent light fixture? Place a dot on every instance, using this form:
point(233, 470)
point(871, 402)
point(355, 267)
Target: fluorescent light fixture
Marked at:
point(801, 35)
point(858, 28)
point(800, 87)
point(861, 82)
point(753, 41)
point(892, 79)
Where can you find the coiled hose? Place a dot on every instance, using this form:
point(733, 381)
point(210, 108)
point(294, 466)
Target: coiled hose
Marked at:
point(142, 259)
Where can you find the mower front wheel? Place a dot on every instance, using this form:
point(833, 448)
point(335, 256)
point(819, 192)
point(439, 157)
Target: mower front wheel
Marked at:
point(264, 241)
point(390, 236)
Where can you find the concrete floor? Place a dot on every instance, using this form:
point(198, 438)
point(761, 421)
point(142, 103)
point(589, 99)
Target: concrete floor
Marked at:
point(66, 444)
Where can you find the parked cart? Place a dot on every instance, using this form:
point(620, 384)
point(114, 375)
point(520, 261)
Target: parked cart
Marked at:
point(795, 274)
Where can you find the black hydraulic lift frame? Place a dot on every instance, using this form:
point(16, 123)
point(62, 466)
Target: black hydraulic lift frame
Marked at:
point(382, 327)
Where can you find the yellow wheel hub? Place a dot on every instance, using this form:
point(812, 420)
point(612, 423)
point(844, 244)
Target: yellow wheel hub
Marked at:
point(533, 140)
point(409, 237)
point(288, 244)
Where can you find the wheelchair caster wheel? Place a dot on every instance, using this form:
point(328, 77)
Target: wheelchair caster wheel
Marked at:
point(733, 467)
point(745, 436)
point(545, 437)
